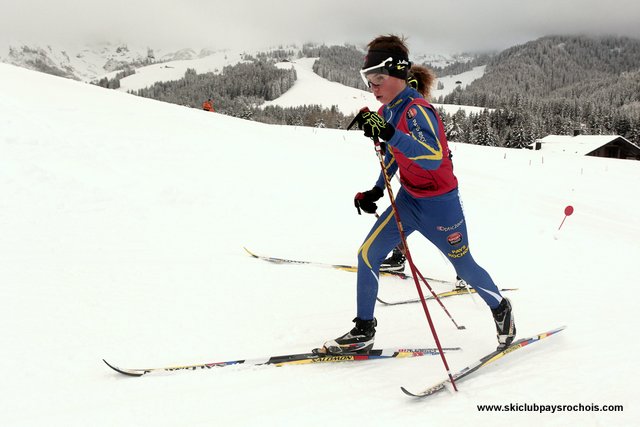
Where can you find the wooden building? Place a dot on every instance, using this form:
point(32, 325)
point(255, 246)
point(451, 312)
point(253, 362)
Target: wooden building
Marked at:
point(611, 146)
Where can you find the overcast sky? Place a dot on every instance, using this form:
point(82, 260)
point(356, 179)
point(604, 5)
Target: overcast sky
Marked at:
point(444, 26)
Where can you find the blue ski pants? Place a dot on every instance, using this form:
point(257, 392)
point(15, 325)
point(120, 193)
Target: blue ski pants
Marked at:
point(441, 220)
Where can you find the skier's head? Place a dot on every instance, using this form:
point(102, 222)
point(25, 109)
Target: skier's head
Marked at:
point(387, 69)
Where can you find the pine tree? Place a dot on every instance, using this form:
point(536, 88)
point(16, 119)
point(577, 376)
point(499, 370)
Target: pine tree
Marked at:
point(453, 127)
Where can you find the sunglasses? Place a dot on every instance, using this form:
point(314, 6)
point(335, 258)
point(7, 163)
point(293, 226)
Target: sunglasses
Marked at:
point(376, 80)
point(380, 72)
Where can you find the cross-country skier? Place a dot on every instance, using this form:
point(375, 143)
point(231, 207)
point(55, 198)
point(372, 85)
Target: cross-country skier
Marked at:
point(428, 200)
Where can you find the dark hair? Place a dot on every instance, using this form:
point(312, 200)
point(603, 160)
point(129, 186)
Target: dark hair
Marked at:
point(424, 79)
point(390, 43)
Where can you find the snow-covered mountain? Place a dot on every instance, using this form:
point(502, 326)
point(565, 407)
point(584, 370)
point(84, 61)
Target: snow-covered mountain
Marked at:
point(90, 62)
point(121, 235)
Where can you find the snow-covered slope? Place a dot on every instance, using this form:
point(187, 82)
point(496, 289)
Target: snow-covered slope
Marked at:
point(174, 70)
point(462, 80)
point(92, 61)
point(310, 89)
point(122, 229)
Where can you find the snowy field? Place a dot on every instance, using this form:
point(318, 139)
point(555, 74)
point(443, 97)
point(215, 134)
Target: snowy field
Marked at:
point(122, 222)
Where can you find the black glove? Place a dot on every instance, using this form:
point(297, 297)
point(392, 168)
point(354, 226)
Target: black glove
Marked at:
point(367, 200)
point(373, 125)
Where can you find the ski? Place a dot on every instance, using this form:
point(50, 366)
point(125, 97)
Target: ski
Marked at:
point(446, 294)
point(290, 359)
point(350, 268)
point(486, 360)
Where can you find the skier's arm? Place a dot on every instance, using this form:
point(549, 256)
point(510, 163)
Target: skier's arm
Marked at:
point(421, 144)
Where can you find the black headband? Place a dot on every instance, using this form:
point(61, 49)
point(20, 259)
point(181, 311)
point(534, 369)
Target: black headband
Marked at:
point(398, 67)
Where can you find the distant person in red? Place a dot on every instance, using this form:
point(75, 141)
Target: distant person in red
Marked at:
point(208, 105)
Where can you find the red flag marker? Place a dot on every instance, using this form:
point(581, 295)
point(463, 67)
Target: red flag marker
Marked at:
point(567, 212)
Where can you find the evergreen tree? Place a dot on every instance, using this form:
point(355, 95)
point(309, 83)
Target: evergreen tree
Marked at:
point(453, 128)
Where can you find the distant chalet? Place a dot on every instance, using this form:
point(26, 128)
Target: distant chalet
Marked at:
point(611, 146)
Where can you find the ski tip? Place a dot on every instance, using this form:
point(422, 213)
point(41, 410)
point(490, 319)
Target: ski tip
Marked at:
point(249, 252)
point(407, 392)
point(115, 368)
point(556, 330)
point(552, 331)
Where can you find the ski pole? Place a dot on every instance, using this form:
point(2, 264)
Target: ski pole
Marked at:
point(414, 271)
point(437, 298)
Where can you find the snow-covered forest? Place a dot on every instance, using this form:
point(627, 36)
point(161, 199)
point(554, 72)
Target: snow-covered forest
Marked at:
point(554, 85)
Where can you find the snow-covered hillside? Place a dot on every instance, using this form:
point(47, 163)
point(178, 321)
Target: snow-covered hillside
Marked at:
point(122, 229)
point(174, 70)
point(462, 80)
point(92, 61)
point(311, 89)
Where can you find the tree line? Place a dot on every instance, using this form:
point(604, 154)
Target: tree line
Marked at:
point(337, 63)
point(521, 122)
point(459, 67)
point(114, 83)
point(236, 90)
point(555, 85)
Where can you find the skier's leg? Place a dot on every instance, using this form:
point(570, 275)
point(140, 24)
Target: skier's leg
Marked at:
point(381, 239)
point(445, 227)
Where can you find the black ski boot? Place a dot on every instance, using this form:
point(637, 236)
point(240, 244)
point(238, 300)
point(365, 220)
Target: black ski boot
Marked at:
point(395, 263)
point(505, 325)
point(359, 340)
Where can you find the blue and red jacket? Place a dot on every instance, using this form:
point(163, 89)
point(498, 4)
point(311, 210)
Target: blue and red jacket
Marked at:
point(418, 148)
